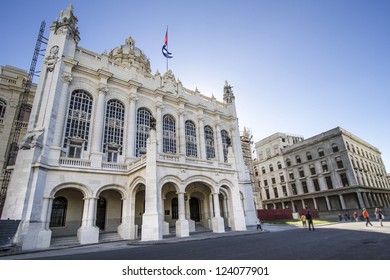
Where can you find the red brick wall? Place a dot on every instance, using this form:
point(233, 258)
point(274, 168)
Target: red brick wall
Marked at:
point(274, 214)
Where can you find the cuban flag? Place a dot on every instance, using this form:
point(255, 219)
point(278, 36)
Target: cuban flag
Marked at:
point(165, 51)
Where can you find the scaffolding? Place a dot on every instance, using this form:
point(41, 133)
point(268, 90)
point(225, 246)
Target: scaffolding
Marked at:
point(12, 147)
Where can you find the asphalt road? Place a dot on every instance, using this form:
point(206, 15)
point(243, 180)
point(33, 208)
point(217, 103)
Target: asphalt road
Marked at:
point(341, 241)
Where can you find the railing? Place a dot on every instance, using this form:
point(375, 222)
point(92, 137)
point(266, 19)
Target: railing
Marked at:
point(75, 162)
point(114, 166)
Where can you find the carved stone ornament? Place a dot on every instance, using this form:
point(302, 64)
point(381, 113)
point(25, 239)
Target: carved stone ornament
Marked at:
point(52, 58)
point(103, 89)
point(67, 78)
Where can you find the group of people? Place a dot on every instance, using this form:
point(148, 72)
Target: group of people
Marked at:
point(307, 218)
point(378, 214)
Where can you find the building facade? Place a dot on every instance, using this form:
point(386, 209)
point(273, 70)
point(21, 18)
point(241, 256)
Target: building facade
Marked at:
point(111, 147)
point(12, 88)
point(332, 171)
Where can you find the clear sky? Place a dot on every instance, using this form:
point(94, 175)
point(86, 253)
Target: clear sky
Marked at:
point(296, 66)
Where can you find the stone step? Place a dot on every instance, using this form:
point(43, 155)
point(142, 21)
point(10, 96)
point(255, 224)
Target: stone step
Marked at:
point(109, 237)
point(8, 230)
point(64, 241)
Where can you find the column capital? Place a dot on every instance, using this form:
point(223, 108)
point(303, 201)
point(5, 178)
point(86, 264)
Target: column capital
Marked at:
point(67, 77)
point(159, 105)
point(133, 97)
point(103, 89)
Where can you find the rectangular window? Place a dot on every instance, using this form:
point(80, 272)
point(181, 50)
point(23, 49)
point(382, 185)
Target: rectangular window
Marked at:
point(329, 182)
point(339, 162)
point(291, 176)
point(316, 185)
point(294, 189)
point(284, 189)
point(312, 170)
point(265, 183)
point(344, 179)
point(267, 194)
point(273, 181)
point(324, 166)
point(301, 173)
point(276, 193)
point(304, 187)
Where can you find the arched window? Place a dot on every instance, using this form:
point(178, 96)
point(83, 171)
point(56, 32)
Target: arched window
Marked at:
point(225, 144)
point(209, 140)
point(308, 156)
point(78, 123)
point(169, 134)
point(3, 106)
point(271, 168)
point(175, 208)
point(143, 128)
point(113, 130)
point(26, 111)
point(191, 147)
point(335, 148)
point(298, 159)
point(288, 162)
point(58, 212)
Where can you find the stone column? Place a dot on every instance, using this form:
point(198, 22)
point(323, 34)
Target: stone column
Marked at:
point(98, 126)
point(182, 133)
point(342, 202)
point(365, 199)
point(201, 141)
point(328, 203)
point(61, 111)
point(217, 221)
point(131, 127)
point(152, 227)
point(88, 233)
point(219, 146)
point(55, 149)
point(159, 127)
point(182, 226)
point(125, 229)
point(360, 200)
point(315, 203)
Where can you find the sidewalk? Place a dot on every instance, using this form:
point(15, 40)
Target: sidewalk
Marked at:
point(15, 253)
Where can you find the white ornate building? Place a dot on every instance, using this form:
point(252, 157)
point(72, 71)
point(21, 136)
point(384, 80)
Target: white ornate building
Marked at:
point(111, 147)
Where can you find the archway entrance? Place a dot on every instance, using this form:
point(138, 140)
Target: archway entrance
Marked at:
point(101, 213)
point(194, 209)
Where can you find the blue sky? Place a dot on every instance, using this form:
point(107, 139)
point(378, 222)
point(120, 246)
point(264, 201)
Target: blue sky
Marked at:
point(300, 67)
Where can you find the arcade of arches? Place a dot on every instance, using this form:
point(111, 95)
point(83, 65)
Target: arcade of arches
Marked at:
point(114, 209)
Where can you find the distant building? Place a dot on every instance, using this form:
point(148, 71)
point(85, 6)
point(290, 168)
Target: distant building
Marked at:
point(12, 87)
point(111, 147)
point(334, 170)
point(246, 143)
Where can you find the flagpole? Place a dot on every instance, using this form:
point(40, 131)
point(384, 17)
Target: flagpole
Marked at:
point(167, 49)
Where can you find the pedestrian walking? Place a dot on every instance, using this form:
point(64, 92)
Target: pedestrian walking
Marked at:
point(366, 216)
point(356, 216)
point(309, 219)
point(379, 216)
point(303, 219)
point(258, 223)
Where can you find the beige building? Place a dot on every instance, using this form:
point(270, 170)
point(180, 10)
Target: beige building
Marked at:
point(111, 147)
point(332, 171)
point(12, 88)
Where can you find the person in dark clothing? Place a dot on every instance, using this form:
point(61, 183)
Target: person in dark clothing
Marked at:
point(309, 219)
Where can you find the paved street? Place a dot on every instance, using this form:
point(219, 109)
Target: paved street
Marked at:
point(340, 241)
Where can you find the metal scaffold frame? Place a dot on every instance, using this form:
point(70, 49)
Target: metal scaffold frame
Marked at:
point(12, 147)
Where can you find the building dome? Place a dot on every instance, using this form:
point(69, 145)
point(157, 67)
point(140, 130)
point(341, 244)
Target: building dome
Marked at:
point(130, 55)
